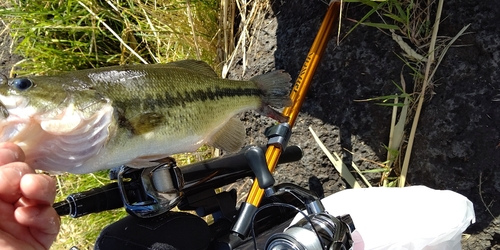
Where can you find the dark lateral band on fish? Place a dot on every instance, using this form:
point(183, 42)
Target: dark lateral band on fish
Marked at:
point(168, 100)
point(164, 102)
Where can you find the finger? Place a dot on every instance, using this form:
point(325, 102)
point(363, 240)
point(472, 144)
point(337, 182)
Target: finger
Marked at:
point(38, 187)
point(25, 202)
point(43, 221)
point(10, 179)
point(10, 152)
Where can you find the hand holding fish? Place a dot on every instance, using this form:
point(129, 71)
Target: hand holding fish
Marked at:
point(27, 219)
point(89, 120)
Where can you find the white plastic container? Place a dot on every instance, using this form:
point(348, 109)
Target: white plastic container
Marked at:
point(404, 218)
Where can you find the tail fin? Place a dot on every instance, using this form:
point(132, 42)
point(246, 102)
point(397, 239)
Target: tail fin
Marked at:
point(275, 87)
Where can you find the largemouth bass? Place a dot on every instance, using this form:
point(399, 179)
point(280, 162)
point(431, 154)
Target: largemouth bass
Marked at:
point(95, 119)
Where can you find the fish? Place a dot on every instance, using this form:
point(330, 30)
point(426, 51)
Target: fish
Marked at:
point(89, 120)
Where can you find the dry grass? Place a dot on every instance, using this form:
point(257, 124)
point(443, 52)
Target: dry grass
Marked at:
point(250, 13)
point(411, 26)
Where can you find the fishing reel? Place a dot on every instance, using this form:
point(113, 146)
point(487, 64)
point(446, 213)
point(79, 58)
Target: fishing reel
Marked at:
point(318, 230)
point(161, 189)
point(145, 193)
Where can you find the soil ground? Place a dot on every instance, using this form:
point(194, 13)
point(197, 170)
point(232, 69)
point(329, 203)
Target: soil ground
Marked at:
point(457, 145)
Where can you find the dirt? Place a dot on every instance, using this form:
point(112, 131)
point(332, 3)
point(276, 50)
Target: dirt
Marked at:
point(7, 59)
point(457, 144)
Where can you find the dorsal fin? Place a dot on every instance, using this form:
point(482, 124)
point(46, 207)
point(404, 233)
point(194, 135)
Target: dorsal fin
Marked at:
point(229, 137)
point(196, 66)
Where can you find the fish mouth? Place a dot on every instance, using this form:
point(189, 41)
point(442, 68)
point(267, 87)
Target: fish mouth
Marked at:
point(12, 104)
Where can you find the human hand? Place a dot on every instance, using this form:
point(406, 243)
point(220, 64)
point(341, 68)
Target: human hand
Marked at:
point(27, 219)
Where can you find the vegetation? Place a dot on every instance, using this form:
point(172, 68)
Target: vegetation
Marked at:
point(67, 35)
point(413, 25)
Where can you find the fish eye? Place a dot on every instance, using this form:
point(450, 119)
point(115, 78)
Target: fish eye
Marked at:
point(21, 83)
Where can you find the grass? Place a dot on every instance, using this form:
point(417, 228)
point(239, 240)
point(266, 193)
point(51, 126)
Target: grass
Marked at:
point(57, 36)
point(54, 36)
point(413, 25)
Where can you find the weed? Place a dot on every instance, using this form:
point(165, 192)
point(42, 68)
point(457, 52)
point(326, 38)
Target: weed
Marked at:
point(69, 35)
point(407, 20)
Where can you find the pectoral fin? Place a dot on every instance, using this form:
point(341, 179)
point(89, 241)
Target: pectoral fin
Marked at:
point(229, 137)
point(146, 122)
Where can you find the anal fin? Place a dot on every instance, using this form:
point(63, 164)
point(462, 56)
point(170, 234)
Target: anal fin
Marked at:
point(229, 137)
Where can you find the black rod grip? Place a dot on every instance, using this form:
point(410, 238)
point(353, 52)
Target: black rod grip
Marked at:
point(257, 161)
point(92, 201)
point(232, 163)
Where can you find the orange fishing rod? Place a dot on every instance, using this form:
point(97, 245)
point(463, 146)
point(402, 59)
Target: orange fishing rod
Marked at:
point(299, 91)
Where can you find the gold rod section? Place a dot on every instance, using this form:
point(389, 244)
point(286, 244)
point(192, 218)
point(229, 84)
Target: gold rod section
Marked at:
point(299, 91)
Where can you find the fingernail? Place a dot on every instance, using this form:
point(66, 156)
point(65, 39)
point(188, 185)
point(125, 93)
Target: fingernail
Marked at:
point(16, 155)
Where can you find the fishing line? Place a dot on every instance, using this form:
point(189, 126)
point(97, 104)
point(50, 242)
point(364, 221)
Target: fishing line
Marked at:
point(280, 204)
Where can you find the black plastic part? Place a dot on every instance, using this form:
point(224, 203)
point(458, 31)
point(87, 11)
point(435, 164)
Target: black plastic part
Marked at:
point(62, 208)
point(268, 221)
point(209, 202)
point(229, 242)
point(95, 200)
point(244, 220)
point(257, 162)
point(231, 164)
point(278, 135)
point(225, 170)
point(172, 230)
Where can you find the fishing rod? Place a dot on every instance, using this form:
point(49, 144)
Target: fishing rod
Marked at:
point(299, 91)
point(279, 135)
point(196, 177)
